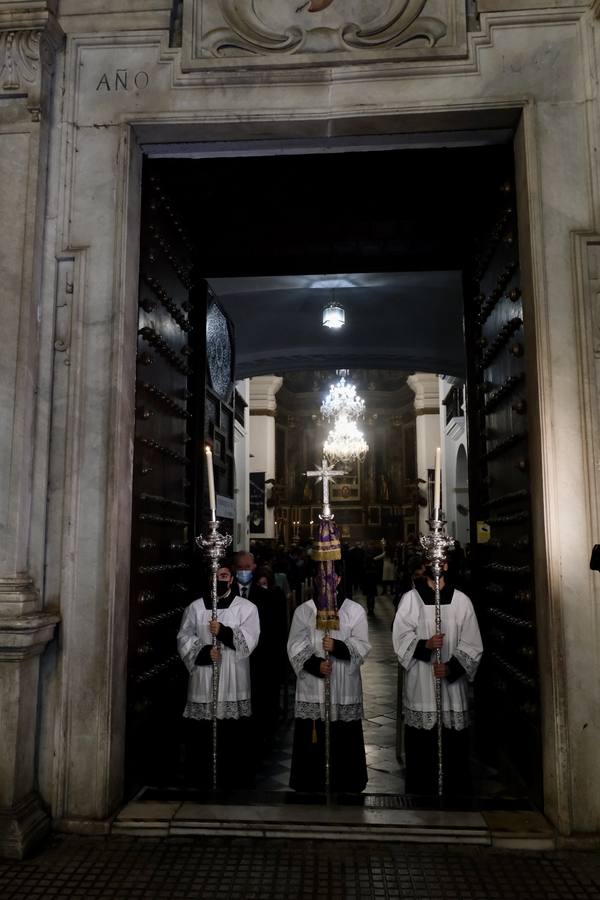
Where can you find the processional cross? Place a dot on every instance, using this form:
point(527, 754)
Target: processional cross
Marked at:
point(325, 474)
point(325, 599)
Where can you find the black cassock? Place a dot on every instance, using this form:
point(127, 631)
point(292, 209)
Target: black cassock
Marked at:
point(268, 665)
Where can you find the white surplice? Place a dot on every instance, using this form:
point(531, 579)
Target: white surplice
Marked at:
point(346, 683)
point(233, 696)
point(415, 621)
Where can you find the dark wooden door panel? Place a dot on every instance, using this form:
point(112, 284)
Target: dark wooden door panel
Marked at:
point(508, 687)
point(177, 411)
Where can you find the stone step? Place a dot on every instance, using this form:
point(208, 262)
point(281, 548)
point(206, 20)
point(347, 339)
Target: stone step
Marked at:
point(524, 829)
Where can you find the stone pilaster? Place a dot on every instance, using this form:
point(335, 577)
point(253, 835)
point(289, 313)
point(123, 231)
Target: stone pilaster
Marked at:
point(22, 640)
point(29, 38)
point(263, 405)
point(427, 410)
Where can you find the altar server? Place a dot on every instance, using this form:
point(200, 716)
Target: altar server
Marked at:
point(348, 647)
point(415, 642)
point(237, 631)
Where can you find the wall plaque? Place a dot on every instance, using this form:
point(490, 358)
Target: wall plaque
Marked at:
point(218, 352)
point(272, 32)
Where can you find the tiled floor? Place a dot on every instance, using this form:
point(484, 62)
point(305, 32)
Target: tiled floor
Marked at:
point(380, 684)
point(243, 868)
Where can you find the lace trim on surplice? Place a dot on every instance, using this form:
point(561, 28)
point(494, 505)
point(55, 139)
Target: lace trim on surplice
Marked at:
point(239, 642)
point(467, 662)
point(417, 718)
point(190, 657)
point(408, 653)
point(226, 709)
point(340, 712)
point(355, 656)
point(300, 658)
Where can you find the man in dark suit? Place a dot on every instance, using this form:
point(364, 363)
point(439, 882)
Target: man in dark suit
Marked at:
point(266, 668)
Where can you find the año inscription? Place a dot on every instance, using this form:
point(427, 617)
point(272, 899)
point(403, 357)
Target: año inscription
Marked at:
point(123, 80)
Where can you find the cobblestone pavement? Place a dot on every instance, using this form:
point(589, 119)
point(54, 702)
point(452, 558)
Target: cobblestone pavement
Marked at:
point(123, 868)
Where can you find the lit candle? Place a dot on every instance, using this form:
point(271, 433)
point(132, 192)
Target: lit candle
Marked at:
point(212, 500)
point(437, 481)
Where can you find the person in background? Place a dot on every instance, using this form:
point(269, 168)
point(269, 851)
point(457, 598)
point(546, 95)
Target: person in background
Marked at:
point(388, 575)
point(267, 665)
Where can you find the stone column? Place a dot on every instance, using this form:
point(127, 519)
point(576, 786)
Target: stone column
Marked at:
point(427, 410)
point(262, 435)
point(242, 458)
point(29, 38)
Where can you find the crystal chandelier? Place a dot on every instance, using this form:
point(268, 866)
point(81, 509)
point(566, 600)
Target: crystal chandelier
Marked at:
point(342, 400)
point(333, 315)
point(345, 441)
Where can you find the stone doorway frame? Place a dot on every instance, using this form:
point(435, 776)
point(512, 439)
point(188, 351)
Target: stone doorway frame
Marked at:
point(551, 691)
point(88, 310)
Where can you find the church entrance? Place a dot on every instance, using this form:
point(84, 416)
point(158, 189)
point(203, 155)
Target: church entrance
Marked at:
point(421, 248)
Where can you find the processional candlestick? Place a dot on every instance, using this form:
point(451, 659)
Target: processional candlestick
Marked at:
point(436, 545)
point(328, 550)
point(213, 546)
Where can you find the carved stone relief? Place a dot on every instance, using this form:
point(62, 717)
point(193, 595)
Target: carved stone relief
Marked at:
point(19, 59)
point(26, 57)
point(230, 29)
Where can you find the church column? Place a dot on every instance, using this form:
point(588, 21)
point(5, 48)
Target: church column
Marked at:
point(242, 488)
point(427, 410)
point(29, 38)
point(262, 440)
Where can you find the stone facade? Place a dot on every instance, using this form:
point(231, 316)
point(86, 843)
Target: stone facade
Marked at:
point(82, 94)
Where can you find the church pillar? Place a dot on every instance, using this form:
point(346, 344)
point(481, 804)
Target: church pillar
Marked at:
point(455, 486)
point(426, 390)
point(242, 471)
point(29, 38)
point(262, 439)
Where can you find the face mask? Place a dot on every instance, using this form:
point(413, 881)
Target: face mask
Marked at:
point(222, 588)
point(244, 576)
point(265, 587)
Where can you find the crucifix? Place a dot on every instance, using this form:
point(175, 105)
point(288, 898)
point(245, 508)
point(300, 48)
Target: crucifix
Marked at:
point(325, 473)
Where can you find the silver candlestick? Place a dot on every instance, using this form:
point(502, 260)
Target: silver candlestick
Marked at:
point(436, 545)
point(214, 546)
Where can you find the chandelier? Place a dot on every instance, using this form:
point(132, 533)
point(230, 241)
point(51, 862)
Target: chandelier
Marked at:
point(342, 400)
point(345, 441)
point(333, 315)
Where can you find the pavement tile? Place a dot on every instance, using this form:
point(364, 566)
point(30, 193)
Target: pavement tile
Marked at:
point(187, 868)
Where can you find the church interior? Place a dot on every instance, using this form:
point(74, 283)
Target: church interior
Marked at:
point(239, 256)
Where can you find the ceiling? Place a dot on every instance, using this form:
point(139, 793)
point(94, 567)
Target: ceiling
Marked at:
point(394, 320)
point(391, 230)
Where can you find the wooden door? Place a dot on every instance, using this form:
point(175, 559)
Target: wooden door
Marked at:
point(183, 397)
point(508, 684)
